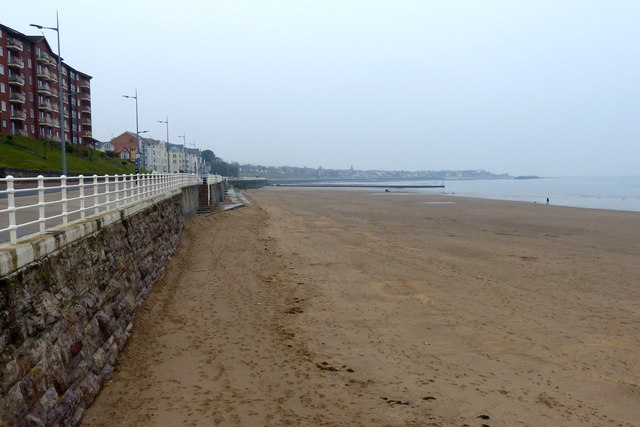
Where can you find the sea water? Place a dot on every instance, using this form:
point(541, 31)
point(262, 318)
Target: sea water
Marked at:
point(617, 193)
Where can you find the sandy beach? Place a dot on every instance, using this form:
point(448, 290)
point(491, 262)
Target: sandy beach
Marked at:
point(359, 307)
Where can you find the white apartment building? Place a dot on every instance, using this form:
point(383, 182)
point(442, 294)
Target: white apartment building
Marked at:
point(176, 158)
point(154, 155)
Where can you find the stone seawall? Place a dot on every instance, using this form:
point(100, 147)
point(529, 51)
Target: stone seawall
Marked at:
point(66, 315)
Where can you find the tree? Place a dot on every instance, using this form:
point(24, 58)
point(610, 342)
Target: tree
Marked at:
point(208, 156)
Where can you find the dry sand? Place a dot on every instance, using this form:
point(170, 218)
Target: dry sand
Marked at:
point(316, 307)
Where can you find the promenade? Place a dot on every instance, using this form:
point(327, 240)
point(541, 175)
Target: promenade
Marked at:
point(357, 307)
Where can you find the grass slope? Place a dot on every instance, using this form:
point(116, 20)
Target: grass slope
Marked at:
point(26, 153)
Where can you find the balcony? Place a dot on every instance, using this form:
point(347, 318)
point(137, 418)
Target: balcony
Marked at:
point(55, 123)
point(44, 88)
point(17, 97)
point(86, 109)
point(86, 121)
point(46, 122)
point(43, 57)
point(86, 134)
point(23, 132)
point(85, 96)
point(44, 73)
point(14, 44)
point(45, 105)
point(16, 62)
point(84, 84)
point(18, 115)
point(16, 80)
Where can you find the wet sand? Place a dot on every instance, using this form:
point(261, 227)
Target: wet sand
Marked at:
point(358, 307)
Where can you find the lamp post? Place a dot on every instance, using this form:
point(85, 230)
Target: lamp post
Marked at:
point(137, 131)
point(184, 150)
point(60, 95)
point(168, 160)
point(195, 158)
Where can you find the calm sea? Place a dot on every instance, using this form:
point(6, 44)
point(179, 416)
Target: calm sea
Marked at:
point(618, 193)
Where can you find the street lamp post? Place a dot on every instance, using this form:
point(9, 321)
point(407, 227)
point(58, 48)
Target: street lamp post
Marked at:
point(168, 159)
point(137, 131)
point(195, 158)
point(60, 95)
point(184, 150)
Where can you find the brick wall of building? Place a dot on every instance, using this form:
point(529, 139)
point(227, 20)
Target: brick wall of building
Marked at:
point(29, 91)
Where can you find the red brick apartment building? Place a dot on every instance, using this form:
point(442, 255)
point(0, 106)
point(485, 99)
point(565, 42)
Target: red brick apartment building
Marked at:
point(29, 103)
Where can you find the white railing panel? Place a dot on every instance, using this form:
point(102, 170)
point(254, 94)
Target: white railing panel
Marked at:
point(36, 204)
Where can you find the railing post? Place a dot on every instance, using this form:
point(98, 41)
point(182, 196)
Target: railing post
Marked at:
point(132, 188)
point(138, 185)
point(81, 188)
point(142, 187)
point(63, 191)
point(41, 212)
point(117, 189)
point(127, 188)
point(13, 229)
point(107, 201)
point(96, 200)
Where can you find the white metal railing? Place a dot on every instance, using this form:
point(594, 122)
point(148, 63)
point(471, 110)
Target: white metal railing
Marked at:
point(34, 205)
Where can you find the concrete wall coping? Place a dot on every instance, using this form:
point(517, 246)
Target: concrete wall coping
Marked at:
point(31, 248)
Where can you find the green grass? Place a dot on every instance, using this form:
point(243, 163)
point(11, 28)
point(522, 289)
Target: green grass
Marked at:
point(25, 153)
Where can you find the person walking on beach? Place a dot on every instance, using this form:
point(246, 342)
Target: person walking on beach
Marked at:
point(547, 200)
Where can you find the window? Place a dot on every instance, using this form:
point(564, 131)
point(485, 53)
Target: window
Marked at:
point(2, 88)
point(33, 129)
point(4, 123)
point(1, 69)
point(1, 52)
point(4, 106)
point(31, 96)
point(29, 62)
point(32, 114)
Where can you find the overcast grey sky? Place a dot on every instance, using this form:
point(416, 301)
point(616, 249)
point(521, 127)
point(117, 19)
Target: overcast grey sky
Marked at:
point(526, 87)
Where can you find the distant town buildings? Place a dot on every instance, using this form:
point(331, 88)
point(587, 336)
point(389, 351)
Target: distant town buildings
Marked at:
point(29, 103)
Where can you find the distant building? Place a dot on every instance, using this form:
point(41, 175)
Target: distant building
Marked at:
point(103, 146)
point(126, 145)
point(154, 155)
point(157, 156)
point(29, 103)
point(176, 158)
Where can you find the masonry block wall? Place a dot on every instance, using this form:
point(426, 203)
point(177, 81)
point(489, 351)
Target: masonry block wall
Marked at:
point(65, 317)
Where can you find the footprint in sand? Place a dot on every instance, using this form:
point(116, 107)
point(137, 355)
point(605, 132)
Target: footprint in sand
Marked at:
point(400, 290)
